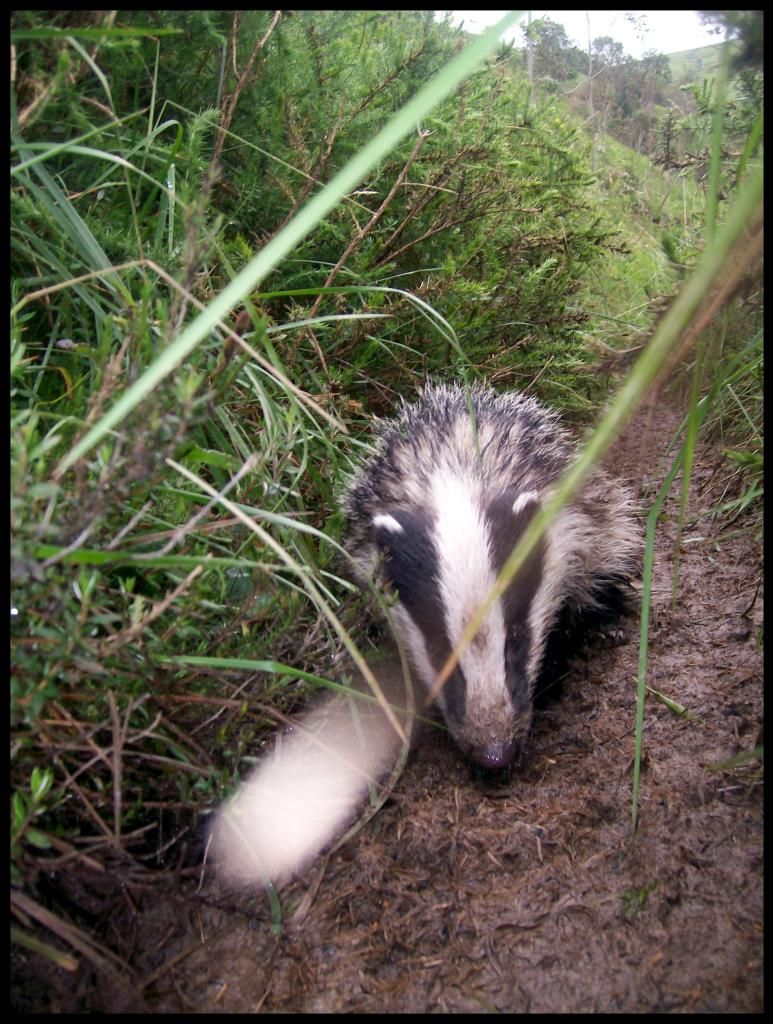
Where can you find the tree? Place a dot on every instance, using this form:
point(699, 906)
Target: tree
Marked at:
point(553, 55)
point(607, 52)
point(747, 26)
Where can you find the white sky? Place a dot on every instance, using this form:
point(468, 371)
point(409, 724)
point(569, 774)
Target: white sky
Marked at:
point(667, 31)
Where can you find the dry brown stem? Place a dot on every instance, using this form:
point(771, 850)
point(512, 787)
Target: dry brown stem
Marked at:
point(229, 104)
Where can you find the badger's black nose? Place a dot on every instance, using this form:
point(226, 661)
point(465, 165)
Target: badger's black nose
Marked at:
point(495, 755)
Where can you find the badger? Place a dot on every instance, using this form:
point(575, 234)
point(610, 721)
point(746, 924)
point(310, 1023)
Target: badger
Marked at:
point(434, 512)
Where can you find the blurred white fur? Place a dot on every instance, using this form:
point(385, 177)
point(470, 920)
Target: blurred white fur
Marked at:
point(303, 792)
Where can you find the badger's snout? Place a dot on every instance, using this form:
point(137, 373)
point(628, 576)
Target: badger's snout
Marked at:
point(496, 755)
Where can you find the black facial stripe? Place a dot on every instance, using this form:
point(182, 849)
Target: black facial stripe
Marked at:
point(506, 527)
point(517, 649)
point(410, 562)
point(455, 695)
point(411, 567)
point(505, 530)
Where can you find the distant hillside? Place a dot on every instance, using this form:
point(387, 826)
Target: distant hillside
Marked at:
point(692, 65)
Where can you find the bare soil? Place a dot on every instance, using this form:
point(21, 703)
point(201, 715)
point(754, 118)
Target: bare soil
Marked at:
point(530, 897)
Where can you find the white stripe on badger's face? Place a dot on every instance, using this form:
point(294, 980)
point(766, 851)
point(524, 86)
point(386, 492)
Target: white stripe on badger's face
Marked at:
point(466, 575)
point(417, 646)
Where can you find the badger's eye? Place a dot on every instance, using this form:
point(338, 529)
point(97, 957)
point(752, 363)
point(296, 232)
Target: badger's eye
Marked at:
point(517, 647)
point(516, 660)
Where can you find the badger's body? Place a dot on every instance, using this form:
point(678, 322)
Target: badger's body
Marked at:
point(434, 514)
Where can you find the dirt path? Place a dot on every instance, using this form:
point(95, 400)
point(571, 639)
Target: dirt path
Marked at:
point(531, 897)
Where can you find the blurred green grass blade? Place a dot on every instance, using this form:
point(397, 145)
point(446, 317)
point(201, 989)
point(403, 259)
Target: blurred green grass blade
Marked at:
point(715, 143)
point(18, 35)
point(440, 86)
point(750, 148)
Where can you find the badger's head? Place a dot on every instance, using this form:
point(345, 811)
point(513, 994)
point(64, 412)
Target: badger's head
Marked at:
point(442, 561)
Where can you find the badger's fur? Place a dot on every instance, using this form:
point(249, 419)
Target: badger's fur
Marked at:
point(435, 512)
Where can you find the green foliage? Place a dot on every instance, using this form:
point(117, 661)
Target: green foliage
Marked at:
point(554, 58)
point(27, 805)
point(634, 900)
point(747, 27)
point(685, 142)
point(627, 92)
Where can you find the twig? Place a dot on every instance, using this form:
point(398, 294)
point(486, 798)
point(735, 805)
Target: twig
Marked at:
point(70, 783)
point(230, 108)
point(118, 640)
point(98, 955)
point(79, 540)
point(119, 735)
point(181, 531)
point(129, 526)
point(436, 185)
point(357, 240)
point(314, 176)
point(746, 611)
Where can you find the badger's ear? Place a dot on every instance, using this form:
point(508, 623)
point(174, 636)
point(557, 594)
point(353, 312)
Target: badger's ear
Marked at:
point(398, 528)
point(385, 527)
point(403, 539)
point(513, 509)
point(525, 504)
point(509, 514)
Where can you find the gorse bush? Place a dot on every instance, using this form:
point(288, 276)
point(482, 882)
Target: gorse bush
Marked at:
point(493, 196)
